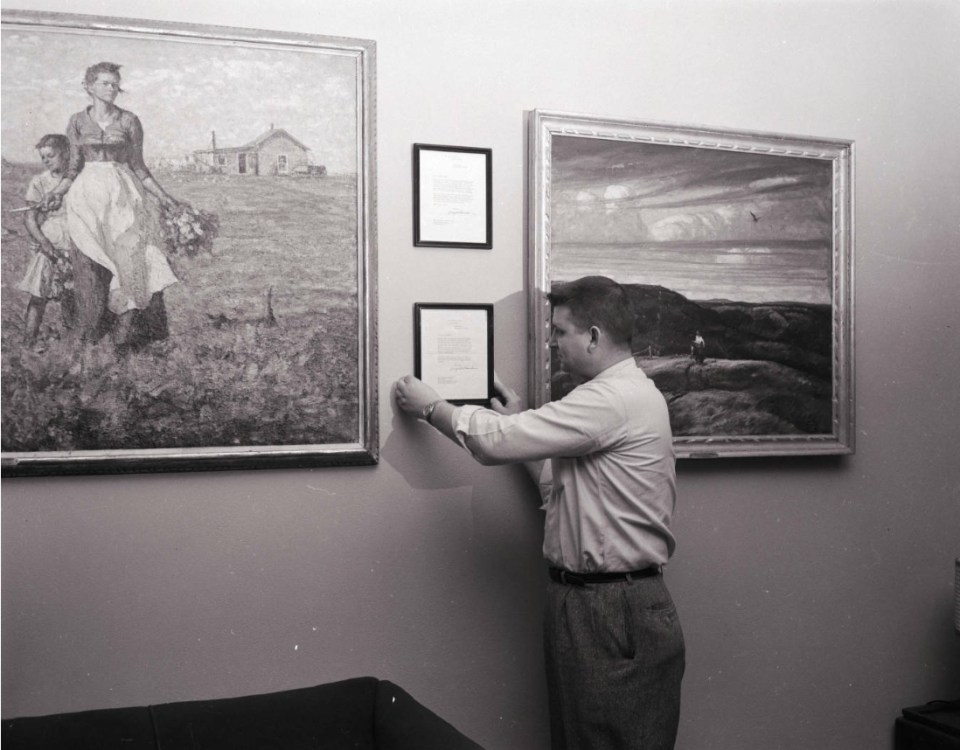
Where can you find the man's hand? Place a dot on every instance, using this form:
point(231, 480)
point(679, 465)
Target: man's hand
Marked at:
point(412, 395)
point(508, 402)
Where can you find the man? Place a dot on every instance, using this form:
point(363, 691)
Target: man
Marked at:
point(613, 646)
point(699, 349)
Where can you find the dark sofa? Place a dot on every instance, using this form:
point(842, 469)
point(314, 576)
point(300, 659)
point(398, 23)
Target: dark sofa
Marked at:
point(360, 713)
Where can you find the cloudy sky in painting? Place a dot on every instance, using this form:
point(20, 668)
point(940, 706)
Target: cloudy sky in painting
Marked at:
point(181, 91)
point(706, 223)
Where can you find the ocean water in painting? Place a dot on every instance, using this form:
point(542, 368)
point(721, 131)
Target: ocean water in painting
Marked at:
point(763, 271)
point(710, 224)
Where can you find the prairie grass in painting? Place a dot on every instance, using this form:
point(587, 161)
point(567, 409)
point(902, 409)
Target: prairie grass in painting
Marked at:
point(263, 334)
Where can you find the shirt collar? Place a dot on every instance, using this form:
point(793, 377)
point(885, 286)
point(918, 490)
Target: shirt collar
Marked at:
point(625, 365)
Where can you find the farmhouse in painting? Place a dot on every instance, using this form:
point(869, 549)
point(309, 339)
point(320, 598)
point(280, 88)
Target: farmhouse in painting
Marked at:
point(274, 152)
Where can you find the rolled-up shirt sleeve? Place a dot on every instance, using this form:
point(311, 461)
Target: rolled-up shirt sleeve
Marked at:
point(590, 418)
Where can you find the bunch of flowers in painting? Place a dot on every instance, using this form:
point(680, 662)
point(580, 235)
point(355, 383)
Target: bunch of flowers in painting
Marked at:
point(57, 275)
point(188, 231)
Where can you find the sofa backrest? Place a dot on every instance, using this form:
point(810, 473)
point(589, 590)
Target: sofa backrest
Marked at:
point(336, 715)
point(356, 714)
point(83, 730)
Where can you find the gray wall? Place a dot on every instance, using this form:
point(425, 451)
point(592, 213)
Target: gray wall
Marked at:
point(816, 594)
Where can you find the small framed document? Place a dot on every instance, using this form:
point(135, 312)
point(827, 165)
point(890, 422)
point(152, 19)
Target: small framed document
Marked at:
point(452, 196)
point(453, 351)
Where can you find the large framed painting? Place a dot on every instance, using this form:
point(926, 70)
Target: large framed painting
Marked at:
point(189, 247)
point(736, 251)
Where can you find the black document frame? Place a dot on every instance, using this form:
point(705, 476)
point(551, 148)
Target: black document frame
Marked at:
point(446, 157)
point(425, 319)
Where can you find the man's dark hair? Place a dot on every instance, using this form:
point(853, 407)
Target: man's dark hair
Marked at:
point(596, 301)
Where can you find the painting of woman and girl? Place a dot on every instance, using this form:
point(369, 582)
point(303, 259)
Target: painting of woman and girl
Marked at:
point(158, 300)
point(97, 239)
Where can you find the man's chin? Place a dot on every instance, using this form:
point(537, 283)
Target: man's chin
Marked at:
point(570, 377)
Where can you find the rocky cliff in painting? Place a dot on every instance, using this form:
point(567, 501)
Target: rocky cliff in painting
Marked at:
point(768, 367)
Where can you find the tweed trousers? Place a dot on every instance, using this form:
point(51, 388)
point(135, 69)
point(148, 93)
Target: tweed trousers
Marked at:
point(615, 656)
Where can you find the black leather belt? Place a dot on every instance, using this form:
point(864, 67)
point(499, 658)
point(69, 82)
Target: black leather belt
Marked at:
point(582, 579)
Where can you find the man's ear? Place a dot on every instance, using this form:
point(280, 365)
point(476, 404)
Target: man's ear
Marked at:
point(594, 337)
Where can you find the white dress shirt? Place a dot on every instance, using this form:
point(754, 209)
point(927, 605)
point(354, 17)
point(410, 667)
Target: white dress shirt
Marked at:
point(609, 488)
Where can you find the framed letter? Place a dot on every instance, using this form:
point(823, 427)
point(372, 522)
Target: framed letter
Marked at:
point(452, 197)
point(453, 350)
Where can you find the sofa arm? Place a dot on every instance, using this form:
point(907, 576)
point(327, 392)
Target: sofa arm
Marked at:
point(402, 723)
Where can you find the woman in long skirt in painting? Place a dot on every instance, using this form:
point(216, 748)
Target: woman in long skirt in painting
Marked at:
point(113, 218)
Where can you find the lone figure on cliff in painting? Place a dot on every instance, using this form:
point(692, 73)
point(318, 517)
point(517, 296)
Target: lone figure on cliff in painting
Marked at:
point(603, 459)
point(699, 349)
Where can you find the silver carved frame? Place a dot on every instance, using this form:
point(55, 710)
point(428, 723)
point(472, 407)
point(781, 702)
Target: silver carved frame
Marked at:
point(544, 125)
point(365, 449)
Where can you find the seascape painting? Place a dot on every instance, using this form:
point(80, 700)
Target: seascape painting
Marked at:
point(735, 253)
point(188, 247)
